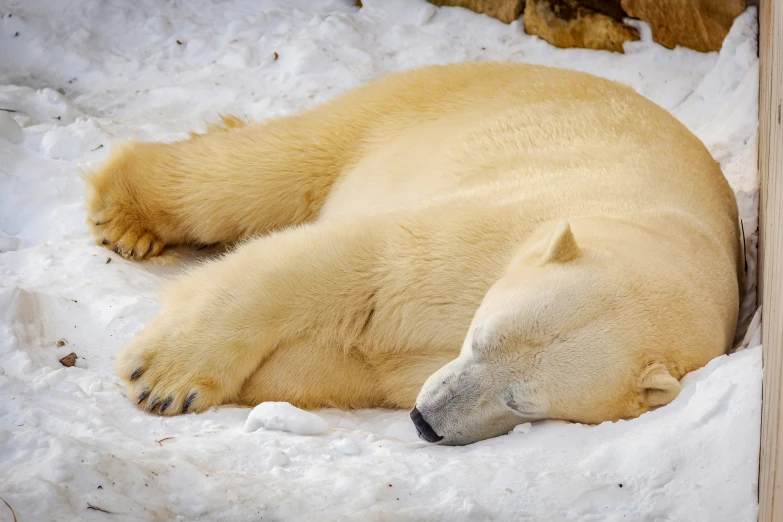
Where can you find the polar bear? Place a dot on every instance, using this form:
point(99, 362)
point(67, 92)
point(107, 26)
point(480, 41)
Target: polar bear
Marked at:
point(485, 243)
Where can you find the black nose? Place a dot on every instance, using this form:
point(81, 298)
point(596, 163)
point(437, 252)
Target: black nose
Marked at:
point(425, 430)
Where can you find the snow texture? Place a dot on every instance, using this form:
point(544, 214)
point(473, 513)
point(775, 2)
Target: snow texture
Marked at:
point(77, 76)
point(281, 416)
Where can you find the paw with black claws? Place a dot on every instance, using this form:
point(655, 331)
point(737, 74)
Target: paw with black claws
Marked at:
point(179, 363)
point(131, 243)
point(123, 215)
point(213, 334)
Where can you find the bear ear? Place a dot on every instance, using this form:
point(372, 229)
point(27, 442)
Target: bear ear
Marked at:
point(659, 385)
point(561, 245)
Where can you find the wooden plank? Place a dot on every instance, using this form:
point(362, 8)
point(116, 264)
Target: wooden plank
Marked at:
point(771, 257)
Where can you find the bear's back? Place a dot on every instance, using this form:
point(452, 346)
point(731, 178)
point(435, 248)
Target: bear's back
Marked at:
point(527, 131)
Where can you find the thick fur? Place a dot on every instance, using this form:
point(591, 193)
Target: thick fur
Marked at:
point(552, 244)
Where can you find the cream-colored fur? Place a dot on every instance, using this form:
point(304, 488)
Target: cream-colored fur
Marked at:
point(531, 242)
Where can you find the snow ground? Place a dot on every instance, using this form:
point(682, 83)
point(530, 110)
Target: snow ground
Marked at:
point(82, 73)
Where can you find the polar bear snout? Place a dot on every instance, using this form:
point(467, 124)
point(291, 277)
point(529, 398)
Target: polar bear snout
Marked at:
point(423, 428)
point(462, 403)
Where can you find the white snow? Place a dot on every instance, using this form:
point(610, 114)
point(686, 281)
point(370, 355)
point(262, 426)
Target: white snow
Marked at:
point(281, 416)
point(9, 129)
point(84, 73)
point(346, 446)
point(522, 428)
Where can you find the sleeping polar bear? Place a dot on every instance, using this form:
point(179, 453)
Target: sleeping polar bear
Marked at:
point(486, 243)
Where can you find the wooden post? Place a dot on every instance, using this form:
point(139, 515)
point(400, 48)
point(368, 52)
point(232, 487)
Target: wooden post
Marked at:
point(771, 257)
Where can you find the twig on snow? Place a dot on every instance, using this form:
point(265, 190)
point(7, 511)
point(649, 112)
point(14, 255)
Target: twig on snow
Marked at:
point(96, 508)
point(13, 513)
point(161, 440)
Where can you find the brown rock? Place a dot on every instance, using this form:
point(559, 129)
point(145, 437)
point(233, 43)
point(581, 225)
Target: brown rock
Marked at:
point(569, 23)
point(699, 24)
point(504, 10)
point(69, 360)
point(611, 8)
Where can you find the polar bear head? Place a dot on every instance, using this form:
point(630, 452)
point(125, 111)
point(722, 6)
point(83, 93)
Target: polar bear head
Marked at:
point(571, 333)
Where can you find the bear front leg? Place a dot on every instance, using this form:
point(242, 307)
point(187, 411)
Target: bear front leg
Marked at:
point(125, 212)
point(222, 320)
point(231, 183)
point(210, 336)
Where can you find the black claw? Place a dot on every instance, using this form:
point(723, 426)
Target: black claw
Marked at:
point(136, 374)
point(143, 396)
point(117, 250)
point(133, 252)
point(105, 242)
point(187, 402)
point(166, 404)
point(154, 405)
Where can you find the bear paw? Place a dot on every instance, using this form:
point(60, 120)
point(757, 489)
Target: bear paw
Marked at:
point(131, 242)
point(124, 215)
point(169, 372)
